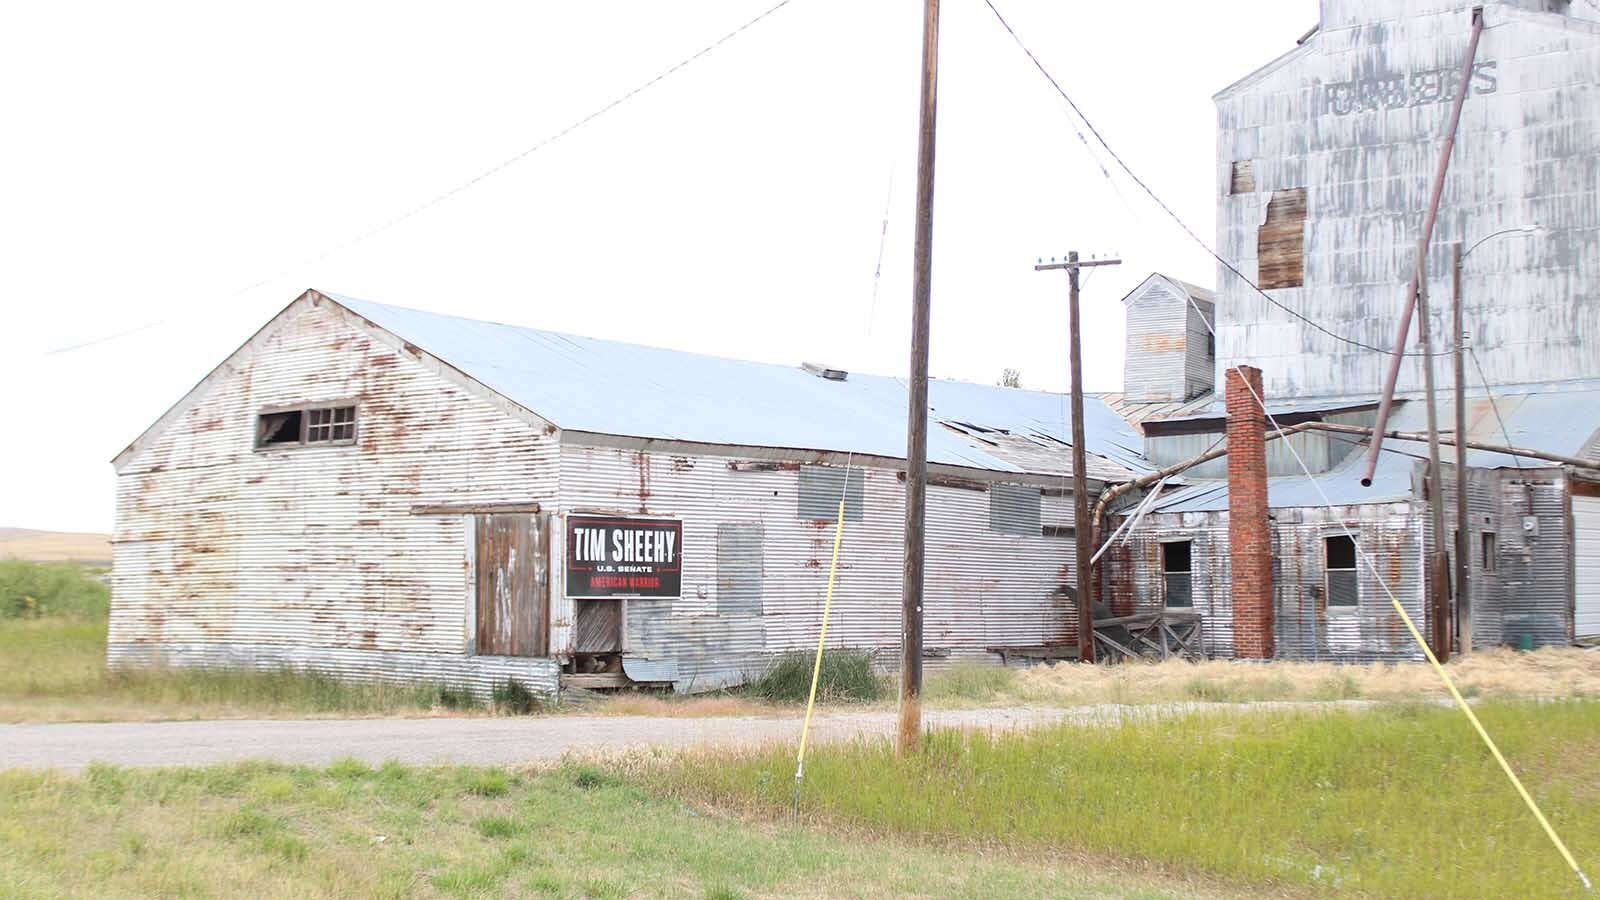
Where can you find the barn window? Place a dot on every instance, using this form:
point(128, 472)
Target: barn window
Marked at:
point(739, 570)
point(309, 425)
point(278, 428)
point(1490, 554)
point(328, 425)
point(1339, 564)
point(1015, 509)
point(1281, 242)
point(820, 488)
point(1176, 572)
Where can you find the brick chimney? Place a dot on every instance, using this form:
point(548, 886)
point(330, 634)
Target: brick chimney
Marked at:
point(1249, 530)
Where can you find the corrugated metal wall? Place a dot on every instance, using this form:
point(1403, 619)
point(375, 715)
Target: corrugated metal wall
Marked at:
point(1392, 533)
point(1354, 117)
point(1586, 565)
point(1155, 366)
point(983, 588)
point(311, 555)
point(1529, 591)
point(1322, 451)
point(1535, 567)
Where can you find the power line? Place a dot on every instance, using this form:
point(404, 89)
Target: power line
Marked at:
point(1167, 209)
point(446, 195)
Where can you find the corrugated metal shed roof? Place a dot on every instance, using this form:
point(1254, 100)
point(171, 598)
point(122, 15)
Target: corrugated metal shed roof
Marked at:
point(609, 387)
point(1560, 417)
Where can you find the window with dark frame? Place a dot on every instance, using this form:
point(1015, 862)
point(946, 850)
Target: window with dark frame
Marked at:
point(1177, 558)
point(1490, 554)
point(1339, 564)
point(308, 425)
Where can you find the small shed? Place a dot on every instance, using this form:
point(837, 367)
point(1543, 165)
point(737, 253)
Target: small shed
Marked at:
point(385, 493)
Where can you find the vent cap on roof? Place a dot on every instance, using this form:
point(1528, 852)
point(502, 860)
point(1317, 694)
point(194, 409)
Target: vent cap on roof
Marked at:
point(822, 371)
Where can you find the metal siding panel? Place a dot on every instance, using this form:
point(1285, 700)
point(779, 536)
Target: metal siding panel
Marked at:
point(1586, 563)
point(1535, 565)
point(983, 589)
point(1526, 155)
point(1015, 509)
point(312, 553)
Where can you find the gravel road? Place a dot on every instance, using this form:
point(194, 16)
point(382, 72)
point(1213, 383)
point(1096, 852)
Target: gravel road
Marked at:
point(473, 741)
point(497, 741)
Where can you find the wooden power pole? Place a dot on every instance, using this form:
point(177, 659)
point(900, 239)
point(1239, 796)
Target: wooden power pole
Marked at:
point(910, 732)
point(1080, 480)
point(1438, 568)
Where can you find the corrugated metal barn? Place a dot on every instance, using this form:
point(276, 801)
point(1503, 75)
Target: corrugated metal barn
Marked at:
point(385, 493)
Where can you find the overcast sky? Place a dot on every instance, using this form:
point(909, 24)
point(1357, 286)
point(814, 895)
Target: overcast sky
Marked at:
point(185, 170)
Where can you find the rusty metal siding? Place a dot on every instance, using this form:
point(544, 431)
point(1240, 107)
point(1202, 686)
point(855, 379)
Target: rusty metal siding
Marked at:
point(1391, 533)
point(312, 555)
point(984, 589)
point(1157, 345)
point(1535, 568)
point(1354, 117)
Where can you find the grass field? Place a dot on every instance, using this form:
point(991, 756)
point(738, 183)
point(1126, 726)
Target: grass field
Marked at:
point(55, 546)
point(354, 831)
point(1396, 801)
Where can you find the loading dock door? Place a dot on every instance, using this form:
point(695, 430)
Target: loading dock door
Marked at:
point(1586, 562)
point(512, 556)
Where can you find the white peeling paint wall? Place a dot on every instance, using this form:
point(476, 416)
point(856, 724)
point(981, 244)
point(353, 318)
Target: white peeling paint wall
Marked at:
point(984, 589)
point(1356, 117)
point(311, 556)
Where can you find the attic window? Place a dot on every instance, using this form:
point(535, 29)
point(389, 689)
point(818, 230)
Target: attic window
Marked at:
point(308, 425)
point(1281, 242)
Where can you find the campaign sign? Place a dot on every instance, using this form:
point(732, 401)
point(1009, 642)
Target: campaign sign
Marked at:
point(613, 556)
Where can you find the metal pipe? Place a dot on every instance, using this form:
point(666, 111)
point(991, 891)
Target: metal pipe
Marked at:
point(1463, 569)
point(1392, 377)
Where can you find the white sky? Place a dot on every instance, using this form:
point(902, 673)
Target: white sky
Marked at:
point(160, 159)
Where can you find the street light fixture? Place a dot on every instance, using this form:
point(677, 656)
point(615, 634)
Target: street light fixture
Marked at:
point(1462, 566)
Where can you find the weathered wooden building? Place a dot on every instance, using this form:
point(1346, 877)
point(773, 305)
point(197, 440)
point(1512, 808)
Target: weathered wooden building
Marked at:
point(379, 492)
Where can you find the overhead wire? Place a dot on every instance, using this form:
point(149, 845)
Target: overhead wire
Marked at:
point(444, 195)
point(1234, 270)
point(1327, 503)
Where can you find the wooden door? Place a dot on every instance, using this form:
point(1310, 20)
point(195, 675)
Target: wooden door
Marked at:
point(512, 585)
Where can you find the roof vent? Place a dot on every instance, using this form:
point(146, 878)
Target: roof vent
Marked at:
point(822, 371)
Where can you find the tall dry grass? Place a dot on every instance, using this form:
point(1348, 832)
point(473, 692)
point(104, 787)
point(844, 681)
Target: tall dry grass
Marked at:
point(1545, 673)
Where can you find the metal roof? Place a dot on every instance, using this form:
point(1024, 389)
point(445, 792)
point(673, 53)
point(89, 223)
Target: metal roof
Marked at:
point(1559, 417)
point(608, 387)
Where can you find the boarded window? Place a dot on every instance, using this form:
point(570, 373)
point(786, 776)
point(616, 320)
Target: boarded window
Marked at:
point(820, 489)
point(1176, 562)
point(1243, 180)
point(1015, 509)
point(1490, 554)
point(1281, 243)
point(1343, 586)
point(739, 569)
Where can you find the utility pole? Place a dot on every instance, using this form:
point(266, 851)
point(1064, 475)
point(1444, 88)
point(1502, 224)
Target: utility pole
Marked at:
point(1463, 545)
point(1081, 526)
point(1438, 565)
point(910, 732)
